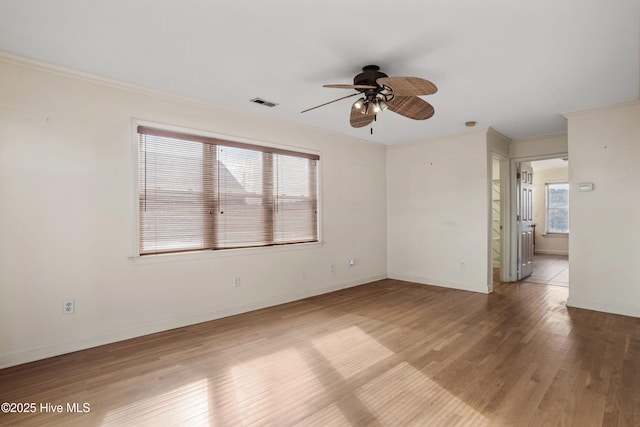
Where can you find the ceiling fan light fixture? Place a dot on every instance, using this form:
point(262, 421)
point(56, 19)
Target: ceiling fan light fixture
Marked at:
point(387, 96)
point(368, 108)
point(378, 92)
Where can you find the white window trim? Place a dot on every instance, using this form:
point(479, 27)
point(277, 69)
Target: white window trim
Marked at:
point(548, 233)
point(208, 254)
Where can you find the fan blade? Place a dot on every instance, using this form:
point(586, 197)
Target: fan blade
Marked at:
point(351, 86)
point(358, 119)
point(327, 103)
point(408, 86)
point(412, 107)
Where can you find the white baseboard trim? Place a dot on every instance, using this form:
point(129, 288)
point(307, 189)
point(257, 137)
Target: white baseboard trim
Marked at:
point(551, 252)
point(605, 308)
point(426, 281)
point(18, 358)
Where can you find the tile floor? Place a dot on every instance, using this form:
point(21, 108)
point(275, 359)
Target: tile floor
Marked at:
point(550, 270)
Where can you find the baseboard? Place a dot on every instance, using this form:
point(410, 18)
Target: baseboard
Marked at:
point(605, 308)
point(427, 281)
point(551, 252)
point(18, 358)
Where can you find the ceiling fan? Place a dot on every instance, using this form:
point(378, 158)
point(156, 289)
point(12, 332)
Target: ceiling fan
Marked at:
point(379, 92)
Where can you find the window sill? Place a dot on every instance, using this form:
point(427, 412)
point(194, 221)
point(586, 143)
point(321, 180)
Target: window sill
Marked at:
point(210, 254)
point(555, 235)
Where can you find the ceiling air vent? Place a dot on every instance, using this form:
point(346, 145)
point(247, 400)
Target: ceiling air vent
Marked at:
point(264, 102)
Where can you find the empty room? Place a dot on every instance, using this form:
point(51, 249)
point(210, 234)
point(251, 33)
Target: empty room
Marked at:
point(329, 214)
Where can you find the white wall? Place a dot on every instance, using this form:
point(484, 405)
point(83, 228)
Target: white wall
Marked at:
point(604, 149)
point(541, 146)
point(553, 244)
point(498, 144)
point(67, 218)
point(438, 211)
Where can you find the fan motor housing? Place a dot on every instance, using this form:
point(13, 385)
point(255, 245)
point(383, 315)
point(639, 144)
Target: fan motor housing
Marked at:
point(369, 76)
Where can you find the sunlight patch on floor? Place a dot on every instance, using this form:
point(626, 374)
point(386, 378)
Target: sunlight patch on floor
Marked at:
point(269, 386)
point(351, 350)
point(415, 400)
point(189, 403)
point(329, 416)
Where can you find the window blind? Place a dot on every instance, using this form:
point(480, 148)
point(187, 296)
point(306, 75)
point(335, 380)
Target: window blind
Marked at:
point(202, 193)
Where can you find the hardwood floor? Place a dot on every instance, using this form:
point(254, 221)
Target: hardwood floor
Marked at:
point(385, 353)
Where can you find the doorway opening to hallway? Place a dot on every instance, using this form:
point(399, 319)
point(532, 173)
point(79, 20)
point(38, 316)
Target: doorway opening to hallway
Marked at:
point(546, 247)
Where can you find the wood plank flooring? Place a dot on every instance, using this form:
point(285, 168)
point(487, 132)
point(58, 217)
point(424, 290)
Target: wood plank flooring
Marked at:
point(386, 353)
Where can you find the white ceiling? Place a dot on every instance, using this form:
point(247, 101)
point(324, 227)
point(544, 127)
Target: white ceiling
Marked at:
point(511, 64)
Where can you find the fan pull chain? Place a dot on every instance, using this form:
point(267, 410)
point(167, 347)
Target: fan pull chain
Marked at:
point(374, 119)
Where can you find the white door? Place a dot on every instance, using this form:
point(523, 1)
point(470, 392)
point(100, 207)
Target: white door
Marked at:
point(525, 220)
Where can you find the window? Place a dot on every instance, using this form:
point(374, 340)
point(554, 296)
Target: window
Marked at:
point(557, 207)
point(198, 193)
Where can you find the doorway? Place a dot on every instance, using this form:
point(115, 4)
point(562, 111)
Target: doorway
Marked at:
point(551, 219)
point(539, 247)
point(498, 229)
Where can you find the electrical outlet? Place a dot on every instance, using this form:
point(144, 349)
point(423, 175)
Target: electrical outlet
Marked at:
point(68, 306)
point(236, 282)
point(333, 269)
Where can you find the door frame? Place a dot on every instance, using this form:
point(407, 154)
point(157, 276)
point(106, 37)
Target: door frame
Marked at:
point(513, 237)
point(505, 213)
